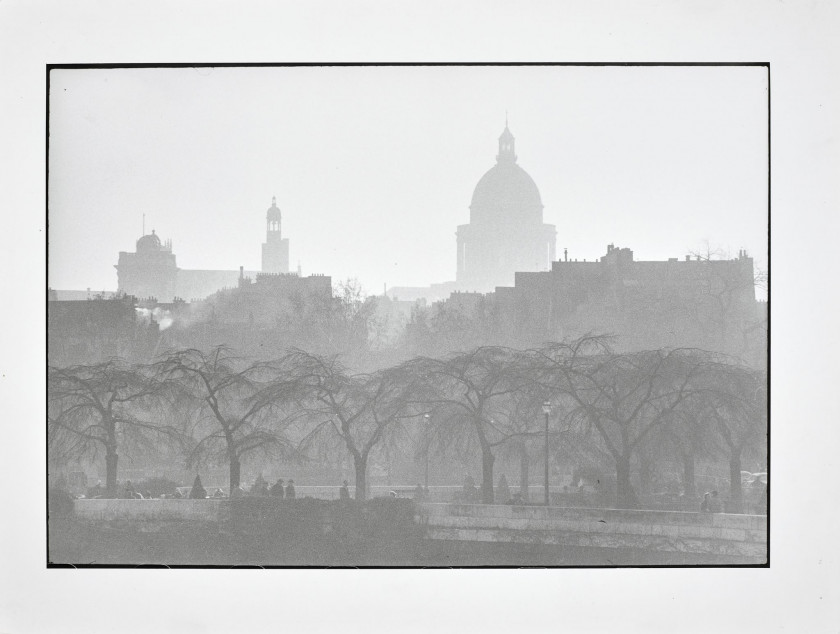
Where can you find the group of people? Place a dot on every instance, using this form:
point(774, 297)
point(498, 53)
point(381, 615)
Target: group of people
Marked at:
point(280, 489)
point(711, 503)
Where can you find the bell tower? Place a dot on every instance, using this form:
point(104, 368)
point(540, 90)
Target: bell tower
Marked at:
point(275, 250)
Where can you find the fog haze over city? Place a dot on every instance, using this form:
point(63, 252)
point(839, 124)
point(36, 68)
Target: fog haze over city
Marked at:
point(587, 349)
point(373, 167)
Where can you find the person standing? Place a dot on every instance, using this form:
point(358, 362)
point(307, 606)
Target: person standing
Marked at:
point(290, 490)
point(344, 491)
point(260, 485)
point(470, 492)
point(197, 492)
point(502, 490)
point(277, 490)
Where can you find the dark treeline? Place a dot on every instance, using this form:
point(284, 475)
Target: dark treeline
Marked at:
point(621, 411)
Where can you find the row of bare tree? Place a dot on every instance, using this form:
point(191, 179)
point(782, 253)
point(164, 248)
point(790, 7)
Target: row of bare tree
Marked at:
point(215, 406)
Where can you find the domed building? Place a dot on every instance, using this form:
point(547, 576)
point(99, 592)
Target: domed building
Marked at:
point(150, 271)
point(506, 232)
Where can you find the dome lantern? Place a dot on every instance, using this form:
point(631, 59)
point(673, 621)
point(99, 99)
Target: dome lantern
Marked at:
point(507, 146)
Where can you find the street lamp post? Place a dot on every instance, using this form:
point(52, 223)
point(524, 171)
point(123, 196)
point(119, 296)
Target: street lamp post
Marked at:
point(546, 408)
point(427, 418)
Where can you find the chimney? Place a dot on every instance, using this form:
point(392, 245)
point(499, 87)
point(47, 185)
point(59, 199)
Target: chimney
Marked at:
point(241, 273)
point(566, 254)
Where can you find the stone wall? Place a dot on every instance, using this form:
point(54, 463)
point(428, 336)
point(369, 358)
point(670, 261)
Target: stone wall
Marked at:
point(156, 510)
point(319, 531)
point(740, 536)
point(251, 531)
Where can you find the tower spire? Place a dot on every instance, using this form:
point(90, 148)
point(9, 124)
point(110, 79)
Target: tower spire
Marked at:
point(507, 153)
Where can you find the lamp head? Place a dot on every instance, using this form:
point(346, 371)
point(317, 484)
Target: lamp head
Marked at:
point(546, 407)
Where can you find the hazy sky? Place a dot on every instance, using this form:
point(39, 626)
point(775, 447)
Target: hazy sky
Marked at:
point(374, 167)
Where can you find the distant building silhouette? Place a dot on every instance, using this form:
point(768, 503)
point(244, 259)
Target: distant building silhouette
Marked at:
point(148, 272)
point(695, 302)
point(92, 330)
point(506, 232)
point(275, 250)
point(151, 271)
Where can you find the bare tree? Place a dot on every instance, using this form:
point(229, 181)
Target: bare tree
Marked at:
point(724, 307)
point(358, 410)
point(736, 405)
point(624, 397)
point(231, 399)
point(106, 406)
point(690, 437)
point(468, 392)
point(445, 328)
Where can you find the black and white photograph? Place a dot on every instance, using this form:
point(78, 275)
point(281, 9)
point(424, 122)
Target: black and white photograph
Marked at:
point(419, 317)
point(448, 315)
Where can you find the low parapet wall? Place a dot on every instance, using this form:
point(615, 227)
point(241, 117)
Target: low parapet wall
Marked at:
point(155, 510)
point(743, 536)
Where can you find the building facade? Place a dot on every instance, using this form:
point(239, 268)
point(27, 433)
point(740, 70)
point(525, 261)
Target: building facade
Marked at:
point(695, 302)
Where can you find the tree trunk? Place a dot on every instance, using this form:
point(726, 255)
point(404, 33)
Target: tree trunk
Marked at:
point(625, 496)
point(645, 475)
point(235, 469)
point(360, 464)
point(487, 459)
point(111, 459)
point(689, 486)
point(524, 466)
point(736, 495)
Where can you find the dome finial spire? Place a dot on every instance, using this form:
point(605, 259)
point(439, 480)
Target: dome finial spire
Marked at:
point(274, 201)
point(506, 118)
